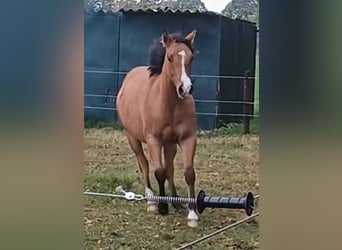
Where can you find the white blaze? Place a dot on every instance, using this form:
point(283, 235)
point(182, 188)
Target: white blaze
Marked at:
point(185, 80)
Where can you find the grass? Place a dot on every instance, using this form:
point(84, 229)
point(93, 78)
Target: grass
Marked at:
point(226, 164)
point(88, 123)
point(256, 90)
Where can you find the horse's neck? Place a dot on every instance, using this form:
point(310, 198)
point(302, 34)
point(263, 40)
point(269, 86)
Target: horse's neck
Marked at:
point(168, 93)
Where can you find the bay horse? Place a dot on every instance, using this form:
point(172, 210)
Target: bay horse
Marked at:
point(156, 107)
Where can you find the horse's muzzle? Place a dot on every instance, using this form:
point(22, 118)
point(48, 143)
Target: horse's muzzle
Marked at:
point(184, 92)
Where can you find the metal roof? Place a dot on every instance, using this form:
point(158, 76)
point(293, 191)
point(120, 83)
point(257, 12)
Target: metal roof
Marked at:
point(161, 9)
point(169, 10)
point(105, 8)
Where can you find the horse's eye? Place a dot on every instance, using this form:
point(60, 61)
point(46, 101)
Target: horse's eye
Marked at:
point(170, 58)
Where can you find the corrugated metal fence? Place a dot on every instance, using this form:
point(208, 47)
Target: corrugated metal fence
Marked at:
point(117, 42)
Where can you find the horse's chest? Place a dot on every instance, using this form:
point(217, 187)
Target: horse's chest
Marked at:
point(173, 133)
point(170, 125)
point(168, 134)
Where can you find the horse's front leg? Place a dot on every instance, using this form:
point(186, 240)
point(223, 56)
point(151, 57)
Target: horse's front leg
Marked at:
point(155, 148)
point(188, 147)
point(170, 152)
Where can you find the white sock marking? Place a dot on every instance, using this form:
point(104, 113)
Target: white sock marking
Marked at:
point(184, 77)
point(192, 215)
point(149, 192)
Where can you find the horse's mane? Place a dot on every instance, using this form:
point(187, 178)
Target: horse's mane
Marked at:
point(157, 53)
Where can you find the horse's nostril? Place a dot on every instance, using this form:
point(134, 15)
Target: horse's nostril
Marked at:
point(191, 90)
point(180, 90)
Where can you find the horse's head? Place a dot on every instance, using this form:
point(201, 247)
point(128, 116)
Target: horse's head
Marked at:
point(179, 53)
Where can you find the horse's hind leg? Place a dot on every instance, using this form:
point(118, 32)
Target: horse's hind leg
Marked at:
point(169, 156)
point(137, 148)
point(188, 147)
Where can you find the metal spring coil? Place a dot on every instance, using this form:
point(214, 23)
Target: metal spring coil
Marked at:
point(170, 199)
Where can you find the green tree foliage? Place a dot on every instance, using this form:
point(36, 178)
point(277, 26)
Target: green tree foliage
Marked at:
point(115, 5)
point(243, 9)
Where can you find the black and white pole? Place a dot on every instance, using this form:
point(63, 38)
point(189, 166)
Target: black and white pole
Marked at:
point(202, 201)
point(247, 203)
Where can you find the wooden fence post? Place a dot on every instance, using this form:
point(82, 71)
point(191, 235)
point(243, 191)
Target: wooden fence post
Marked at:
point(247, 99)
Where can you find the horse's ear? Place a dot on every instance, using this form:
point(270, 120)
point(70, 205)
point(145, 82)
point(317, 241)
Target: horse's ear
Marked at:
point(166, 39)
point(191, 36)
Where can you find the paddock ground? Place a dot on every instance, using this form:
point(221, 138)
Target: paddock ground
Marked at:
point(225, 165)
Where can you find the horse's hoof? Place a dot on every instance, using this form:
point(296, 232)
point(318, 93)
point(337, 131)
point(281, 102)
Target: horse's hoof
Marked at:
point(152, 208)
point(192, 223)
point(163, 208)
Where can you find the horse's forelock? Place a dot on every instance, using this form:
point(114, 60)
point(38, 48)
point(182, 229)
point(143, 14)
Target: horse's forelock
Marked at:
point(180, 39)
point(157, 53)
